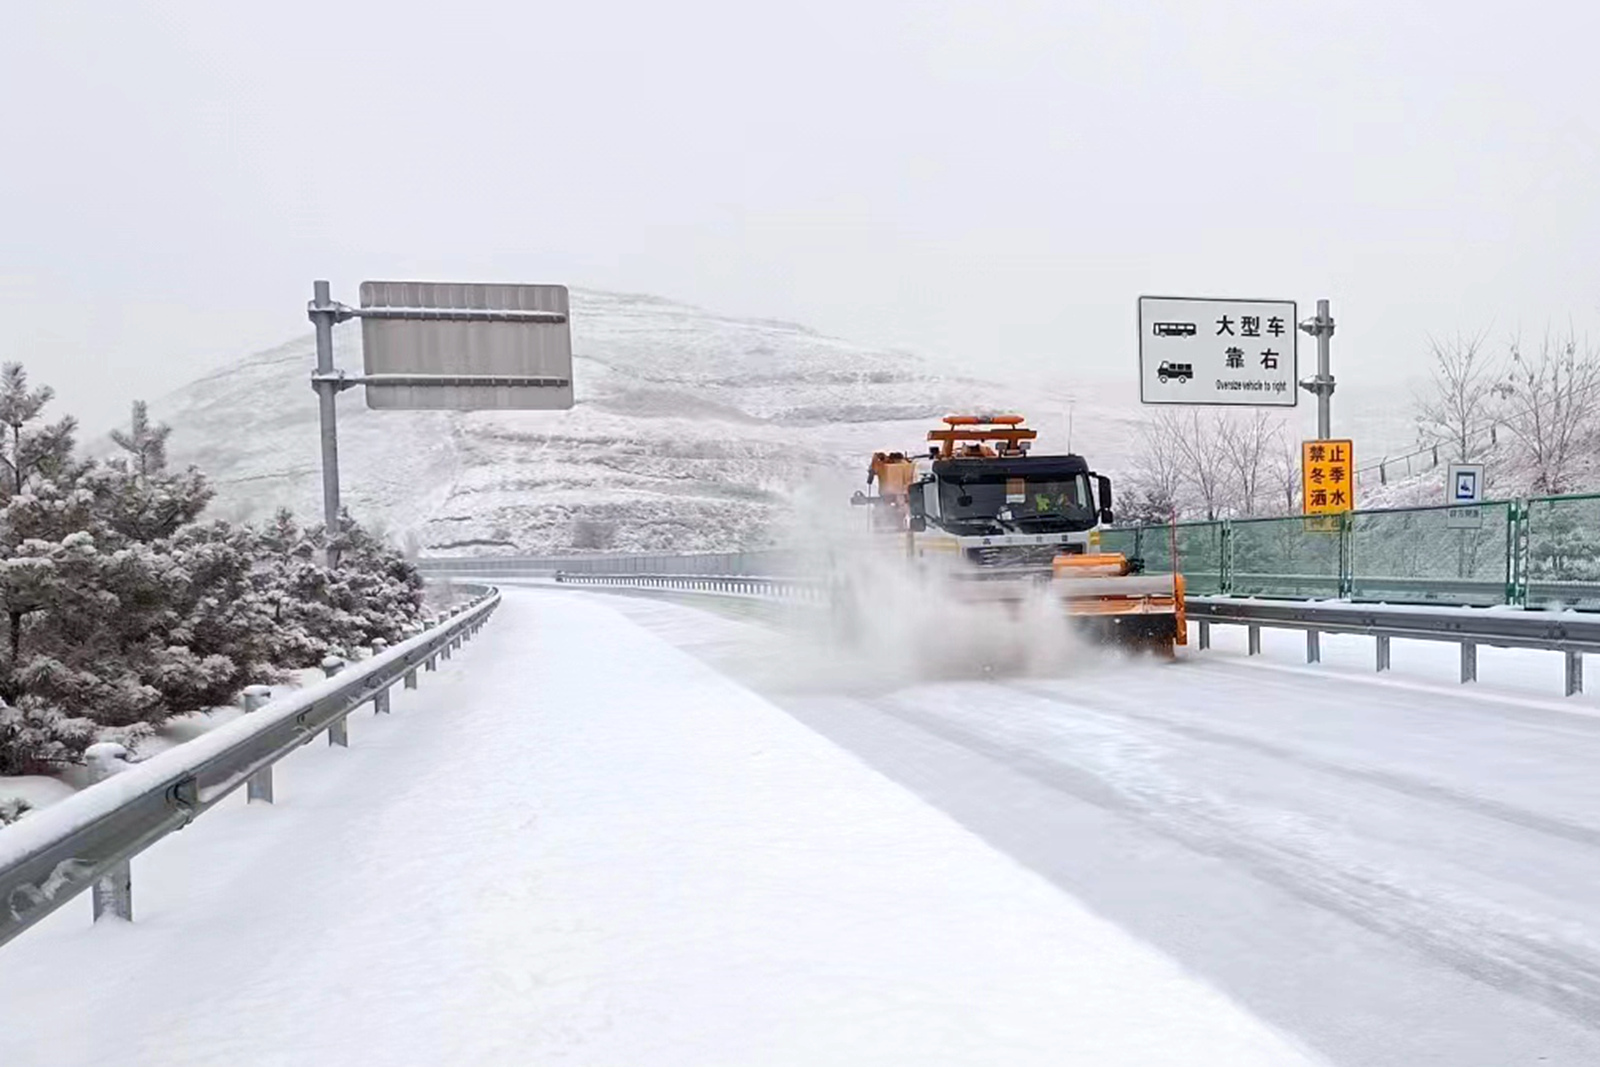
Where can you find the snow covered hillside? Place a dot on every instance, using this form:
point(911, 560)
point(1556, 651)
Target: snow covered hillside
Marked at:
point(692, 432)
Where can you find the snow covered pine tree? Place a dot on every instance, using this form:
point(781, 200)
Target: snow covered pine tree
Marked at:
point(122, 609)
point(37, 522)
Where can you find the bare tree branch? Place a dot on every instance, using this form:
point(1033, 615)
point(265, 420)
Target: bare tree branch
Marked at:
point(1205, 458)
point(1549, 404)
point(1157, 476)
point(1283, 474)
point(1457, 409)
point(1246, 445)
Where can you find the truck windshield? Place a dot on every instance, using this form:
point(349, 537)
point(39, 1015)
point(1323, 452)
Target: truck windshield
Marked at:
point(1031, 505)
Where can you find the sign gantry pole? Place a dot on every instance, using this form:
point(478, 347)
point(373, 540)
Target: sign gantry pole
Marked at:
point(323, 313)
point(1321, 386)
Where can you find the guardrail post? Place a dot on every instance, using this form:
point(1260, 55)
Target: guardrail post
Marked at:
point(380, 700)
point(113, 891)
point(1520, 541)
point(430, 664)
point(1313, 646)
point(411, 678)
point(1205, 636)
point(1347, 564)
point(339, 729)
point(1574, 673)
point(1254, 640)
point(1224, 558)
point(1383, 652)
point(259, 785)
point(1469, 662)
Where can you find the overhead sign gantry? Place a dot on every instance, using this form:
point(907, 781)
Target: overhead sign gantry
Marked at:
point(442, 345)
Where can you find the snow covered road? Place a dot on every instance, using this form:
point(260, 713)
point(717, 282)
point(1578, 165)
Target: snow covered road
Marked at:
point(1393, 870)
point(580, 844)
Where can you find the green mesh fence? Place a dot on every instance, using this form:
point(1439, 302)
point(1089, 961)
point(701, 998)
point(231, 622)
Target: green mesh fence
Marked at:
point(1200, 551)
point(1544, 553)
point(1286, 557)
point(1124, 540)
point(1561, 566)
point(1201, 554)
point(1432, 555)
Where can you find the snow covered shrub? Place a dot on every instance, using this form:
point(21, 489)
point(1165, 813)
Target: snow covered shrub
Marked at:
point(374, 592)
point(377, 589)
point(118, 609)
point(36, 739)
point(12, 809)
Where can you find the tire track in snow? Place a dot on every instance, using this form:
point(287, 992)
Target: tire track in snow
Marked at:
point(1565, 979)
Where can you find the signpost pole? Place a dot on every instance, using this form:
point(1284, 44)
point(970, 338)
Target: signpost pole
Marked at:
point(323, 313)
point(1321, 386)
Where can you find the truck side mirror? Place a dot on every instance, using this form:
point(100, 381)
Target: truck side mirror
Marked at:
point(917, 508)
point(1104, 486)
point(915, 504)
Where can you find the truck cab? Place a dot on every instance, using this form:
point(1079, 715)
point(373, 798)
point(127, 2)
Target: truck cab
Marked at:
point(983, 496)
point(1021, 511)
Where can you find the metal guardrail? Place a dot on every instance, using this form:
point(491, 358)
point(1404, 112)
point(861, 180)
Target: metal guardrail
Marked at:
point(1378, 587)
point(88, 839)
point(1309, 585)
point(766, 587)
point(1537, 552)
point(1570, 633)
point(1558, 631)
point(757, 563)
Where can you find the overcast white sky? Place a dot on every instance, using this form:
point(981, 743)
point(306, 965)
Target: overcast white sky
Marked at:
point(993, 182)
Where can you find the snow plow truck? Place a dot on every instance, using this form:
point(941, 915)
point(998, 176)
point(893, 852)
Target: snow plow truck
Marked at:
point(1004, 524)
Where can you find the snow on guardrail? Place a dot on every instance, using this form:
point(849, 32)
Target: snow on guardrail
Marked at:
point(87, 839)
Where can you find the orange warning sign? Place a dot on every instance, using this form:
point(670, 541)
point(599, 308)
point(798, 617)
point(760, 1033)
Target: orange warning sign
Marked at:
point(1327, 477)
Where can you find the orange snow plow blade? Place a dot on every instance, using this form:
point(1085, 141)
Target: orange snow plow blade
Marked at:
point(1144, 609)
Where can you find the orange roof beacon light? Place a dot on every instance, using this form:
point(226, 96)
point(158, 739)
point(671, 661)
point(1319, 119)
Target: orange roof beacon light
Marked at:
point(977, 432)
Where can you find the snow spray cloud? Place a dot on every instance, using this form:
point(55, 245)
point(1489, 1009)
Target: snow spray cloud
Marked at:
point(892, 621)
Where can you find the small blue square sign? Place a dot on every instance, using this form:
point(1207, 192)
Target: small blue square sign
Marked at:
point(1466, 483)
